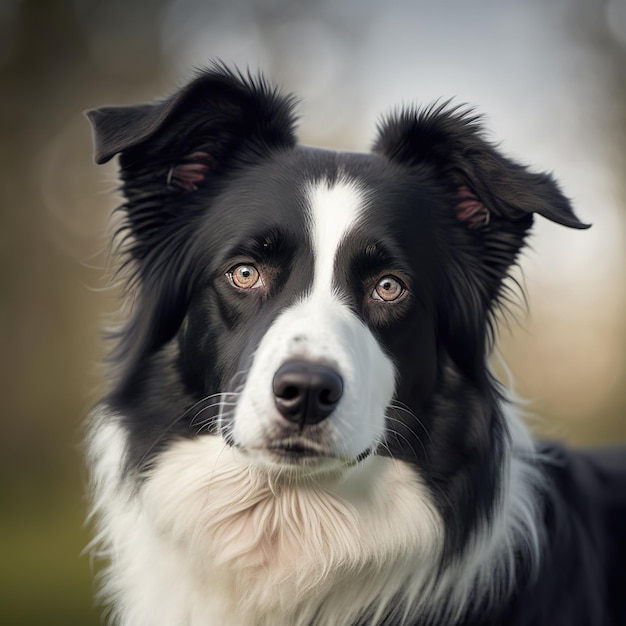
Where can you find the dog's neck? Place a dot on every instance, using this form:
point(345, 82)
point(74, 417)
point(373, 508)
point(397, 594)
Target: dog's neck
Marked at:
point(263, 549)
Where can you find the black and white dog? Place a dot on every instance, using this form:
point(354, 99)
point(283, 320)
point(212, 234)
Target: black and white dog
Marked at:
point(302, 428)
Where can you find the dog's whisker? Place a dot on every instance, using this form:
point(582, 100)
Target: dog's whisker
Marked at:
point(219, 405)
point(405, 426)
point(174, 423)
point(396, 433)
point(405, 409)
point(216, 420)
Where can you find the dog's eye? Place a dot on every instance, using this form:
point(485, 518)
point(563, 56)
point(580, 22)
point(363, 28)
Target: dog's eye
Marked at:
point(388, 289)
point(245, 277)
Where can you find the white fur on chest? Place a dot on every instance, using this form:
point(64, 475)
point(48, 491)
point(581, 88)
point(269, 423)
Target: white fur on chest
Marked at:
point(209, 540)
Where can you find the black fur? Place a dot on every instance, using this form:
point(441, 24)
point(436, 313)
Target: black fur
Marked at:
point(214, 174)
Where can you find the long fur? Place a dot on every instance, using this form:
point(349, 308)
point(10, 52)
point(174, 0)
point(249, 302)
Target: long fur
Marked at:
point(301, 427)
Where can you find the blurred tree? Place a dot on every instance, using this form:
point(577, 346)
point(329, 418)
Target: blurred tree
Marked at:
point(53, 64)
point(48, 74)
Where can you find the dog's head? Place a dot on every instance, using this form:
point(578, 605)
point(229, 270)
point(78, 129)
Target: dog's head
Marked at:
point(313, 307)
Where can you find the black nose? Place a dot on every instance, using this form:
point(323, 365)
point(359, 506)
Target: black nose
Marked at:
point(305, 392)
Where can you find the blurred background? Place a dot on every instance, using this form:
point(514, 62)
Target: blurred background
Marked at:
point(550, 77)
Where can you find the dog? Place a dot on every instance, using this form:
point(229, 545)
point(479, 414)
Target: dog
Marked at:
point(301, 426)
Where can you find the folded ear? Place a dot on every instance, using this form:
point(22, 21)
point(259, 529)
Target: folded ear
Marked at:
point(490, 210)
point(220, 108)
point(169, 152)
point(451, 141)
point(175, 146)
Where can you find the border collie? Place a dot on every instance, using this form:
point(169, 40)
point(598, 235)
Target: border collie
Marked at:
point(301, 427)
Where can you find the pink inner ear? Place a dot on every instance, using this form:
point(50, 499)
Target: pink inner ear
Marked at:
point(470, 209)
point(189, 174)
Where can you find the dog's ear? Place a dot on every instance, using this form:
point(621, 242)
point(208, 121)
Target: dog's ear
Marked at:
point(168, 152)
point(173, 147)
point(218, 112)
point(490, 210)
point(450, 140)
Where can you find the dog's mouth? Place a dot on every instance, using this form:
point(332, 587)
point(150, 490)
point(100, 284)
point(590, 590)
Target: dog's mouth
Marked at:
point(307, 454)
point(297, 450)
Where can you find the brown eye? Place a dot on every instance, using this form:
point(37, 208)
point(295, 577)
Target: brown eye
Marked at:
point(245, 277)
point(388, 289)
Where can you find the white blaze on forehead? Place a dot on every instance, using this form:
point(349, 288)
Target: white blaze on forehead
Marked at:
point(334, 212)
point(321, 327)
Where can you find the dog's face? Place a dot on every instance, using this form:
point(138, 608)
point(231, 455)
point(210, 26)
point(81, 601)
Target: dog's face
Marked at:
point(317, 283)
point(312, 307)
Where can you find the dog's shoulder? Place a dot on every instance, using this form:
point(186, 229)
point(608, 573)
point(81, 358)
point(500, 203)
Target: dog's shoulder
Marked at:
point(590, 480)
point(585, 515)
